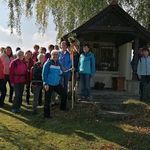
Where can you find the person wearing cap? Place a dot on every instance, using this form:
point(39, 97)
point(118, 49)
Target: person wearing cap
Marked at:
point(51, 76)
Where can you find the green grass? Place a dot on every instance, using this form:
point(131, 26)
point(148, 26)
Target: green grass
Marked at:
point(74, 130)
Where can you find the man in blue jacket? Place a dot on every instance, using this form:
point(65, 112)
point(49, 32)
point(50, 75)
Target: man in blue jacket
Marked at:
point(51, 76)
point(86, 71)
point(65, 61)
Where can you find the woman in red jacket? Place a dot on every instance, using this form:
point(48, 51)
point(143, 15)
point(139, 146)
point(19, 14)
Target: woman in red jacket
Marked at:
point(2, 83)
point(18, 78)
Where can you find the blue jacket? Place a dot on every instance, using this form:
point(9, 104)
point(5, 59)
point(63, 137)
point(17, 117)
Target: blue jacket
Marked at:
point(65, 60)
point(51, 73)
point(143, 67)
point(87, 63)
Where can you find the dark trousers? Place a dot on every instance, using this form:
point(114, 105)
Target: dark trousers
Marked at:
point(18, 88)
point(63, 94)
point(145, 79)
point(11, 88)
point(37, 90)
point(27, 92)
point(64, 80)
point(2, 92)
point(85, 85)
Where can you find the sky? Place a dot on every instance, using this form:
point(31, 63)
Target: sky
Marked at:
point(30, 34)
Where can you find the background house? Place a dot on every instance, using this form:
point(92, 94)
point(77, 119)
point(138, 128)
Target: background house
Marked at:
point(114, 36)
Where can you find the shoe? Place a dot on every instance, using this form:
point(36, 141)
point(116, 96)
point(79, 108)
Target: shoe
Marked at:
point(88, 98)
point(65, 110)
point(48, 117)
point(16, 110)
point(82, 98)
point(34, 112)
point(10, 101)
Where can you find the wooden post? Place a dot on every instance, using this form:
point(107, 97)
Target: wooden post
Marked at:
point(72, 96)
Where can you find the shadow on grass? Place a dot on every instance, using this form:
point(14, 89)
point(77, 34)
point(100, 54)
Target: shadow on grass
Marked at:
point(83, 123)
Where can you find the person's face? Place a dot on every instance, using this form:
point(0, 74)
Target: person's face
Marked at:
point(8, 51)
point(21, 56)
point(145, 53)
point(41, 59)
point(36, 48)
point(63, 45)
point(85, 49)
point(55, 56)
point(43, 51)
point(28, 55)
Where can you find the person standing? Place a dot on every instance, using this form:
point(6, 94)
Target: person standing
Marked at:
point(48, 55)
point(35, 53)
point(6, 58)
point(143, 70)
point(65, 61)
point(2, 82)
point(86, 71)
point(29, 62)
point(37, 83)
point(18, 78)
point(51, 76)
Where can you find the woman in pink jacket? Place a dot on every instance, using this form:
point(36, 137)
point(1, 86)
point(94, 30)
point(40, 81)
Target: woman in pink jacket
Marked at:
point(18, 78)
point(6, 58)
point(2, 89)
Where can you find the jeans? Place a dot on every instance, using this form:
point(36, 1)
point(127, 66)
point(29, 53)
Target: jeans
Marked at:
point(36, 91)
point(64, 80)
point(2, 92)
point(11, 88)
point(85, 85)
point(145, 79)
point(61, 91)
point(18, 88)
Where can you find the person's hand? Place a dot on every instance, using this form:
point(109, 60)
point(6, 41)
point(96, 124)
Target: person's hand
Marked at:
point(46, 87)
point(72, 69)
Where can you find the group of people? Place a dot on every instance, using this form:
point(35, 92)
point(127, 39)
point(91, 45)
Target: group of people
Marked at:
point(40, 71)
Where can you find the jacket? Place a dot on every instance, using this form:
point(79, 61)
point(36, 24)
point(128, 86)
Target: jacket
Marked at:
point(6, 62)
point(51, 73)
point(29, 66)
point(34, 56)
point(37, 74)
point(65, 59)
point(143, 67)
point(1, 70)
point(18, 71)
point(87, 63)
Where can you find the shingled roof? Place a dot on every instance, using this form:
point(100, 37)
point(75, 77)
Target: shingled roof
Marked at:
point(113, 19)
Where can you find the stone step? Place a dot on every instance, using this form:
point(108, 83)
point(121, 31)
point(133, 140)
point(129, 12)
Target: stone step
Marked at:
point(114, 115)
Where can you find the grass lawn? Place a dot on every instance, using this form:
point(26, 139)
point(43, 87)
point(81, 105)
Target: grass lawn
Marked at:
point(74, 130)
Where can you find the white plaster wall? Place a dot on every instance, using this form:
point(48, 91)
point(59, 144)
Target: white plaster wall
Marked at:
point(125, 52)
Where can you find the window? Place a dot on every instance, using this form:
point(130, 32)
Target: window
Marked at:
point(106, 57)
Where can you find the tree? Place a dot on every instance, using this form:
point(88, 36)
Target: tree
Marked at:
point(69, 14)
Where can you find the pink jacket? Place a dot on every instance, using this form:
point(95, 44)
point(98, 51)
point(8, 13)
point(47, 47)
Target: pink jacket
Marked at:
point(18, 71)
point(1, 70)
point(6, 62)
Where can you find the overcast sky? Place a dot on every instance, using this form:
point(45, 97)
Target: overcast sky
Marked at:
point(30, 34)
